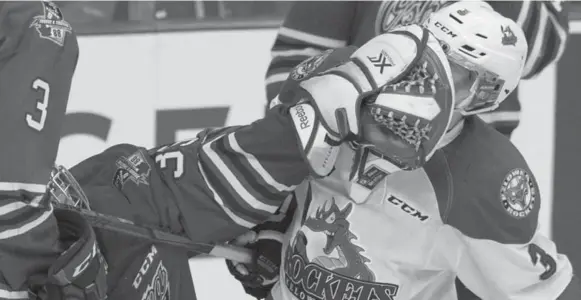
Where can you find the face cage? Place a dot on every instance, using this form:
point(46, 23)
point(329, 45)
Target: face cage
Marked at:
point(65, 189)
point(485, 90)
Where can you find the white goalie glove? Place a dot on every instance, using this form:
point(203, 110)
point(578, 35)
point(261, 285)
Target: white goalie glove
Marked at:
point(328, 92)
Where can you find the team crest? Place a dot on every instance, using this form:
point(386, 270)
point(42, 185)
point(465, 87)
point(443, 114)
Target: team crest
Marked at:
point(51, 25)
point(508, 37)
point(518, 193)
point(320, 275)
point(399, 13)
point(307, 67)
point(134, 167)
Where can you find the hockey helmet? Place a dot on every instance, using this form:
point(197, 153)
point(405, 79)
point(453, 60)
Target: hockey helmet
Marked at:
point(491, 47)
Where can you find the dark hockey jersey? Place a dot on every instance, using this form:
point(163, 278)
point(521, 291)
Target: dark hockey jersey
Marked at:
point(313, 26)
point(38, 55)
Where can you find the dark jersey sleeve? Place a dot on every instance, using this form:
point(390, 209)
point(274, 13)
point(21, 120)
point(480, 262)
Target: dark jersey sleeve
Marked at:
point(38, 55)
point(244, 173)
point(546, 26)
point(494, 212)
point(309, 28)
point(213, 187)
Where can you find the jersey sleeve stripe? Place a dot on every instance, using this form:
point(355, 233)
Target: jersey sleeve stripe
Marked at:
point(7, 294)
point(500, 116)
point(31, 224)
point(311, 38)
point(232, 215)
point(250, 179)
point(257, 166)
point(536, 43)
point(17, 205)
point(562, 31)
point(295, 52)
point(524, 13)
point(230, 199)
point(27, 187)
point(234, 182)
point(277, 77)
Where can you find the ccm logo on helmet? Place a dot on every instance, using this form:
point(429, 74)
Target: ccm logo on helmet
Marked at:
point(445, 29)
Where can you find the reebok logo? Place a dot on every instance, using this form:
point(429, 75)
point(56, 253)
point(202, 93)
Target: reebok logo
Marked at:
point(381, 61)
point(302, 117)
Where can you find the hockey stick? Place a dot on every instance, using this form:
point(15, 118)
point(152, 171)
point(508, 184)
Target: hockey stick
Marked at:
point(66, 193)
point(155, 235)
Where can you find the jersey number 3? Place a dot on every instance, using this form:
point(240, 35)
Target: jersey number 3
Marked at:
point(538, 255)
point(37, 120)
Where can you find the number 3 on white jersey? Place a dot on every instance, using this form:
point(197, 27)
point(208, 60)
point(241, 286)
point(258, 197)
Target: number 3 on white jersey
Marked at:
point(42, 86)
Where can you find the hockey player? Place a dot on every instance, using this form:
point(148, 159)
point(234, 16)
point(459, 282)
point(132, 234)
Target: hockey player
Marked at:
point(352, 116)
point(38, 56)
point(471, 211)
point(311, 27)
point(228, 180)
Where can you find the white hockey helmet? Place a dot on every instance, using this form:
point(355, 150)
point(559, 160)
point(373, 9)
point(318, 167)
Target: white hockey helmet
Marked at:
point(492, 47)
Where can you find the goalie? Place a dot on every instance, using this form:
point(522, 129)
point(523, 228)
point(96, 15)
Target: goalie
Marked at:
point(377, 145)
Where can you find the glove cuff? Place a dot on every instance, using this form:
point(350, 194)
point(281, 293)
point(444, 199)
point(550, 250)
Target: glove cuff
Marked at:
point(318, 149)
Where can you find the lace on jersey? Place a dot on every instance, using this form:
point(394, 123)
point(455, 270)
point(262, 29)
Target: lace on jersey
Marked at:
point(410, 129)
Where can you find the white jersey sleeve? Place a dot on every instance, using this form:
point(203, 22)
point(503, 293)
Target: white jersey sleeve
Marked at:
point(531, 271)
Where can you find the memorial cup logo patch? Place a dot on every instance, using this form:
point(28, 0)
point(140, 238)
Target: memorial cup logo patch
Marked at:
point(518, 193)
point(51, 25)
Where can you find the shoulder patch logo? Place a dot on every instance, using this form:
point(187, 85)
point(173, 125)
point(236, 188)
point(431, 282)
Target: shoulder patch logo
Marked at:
point(134, 167)
point(518, 193)
point(51, 25)
point(309, 65)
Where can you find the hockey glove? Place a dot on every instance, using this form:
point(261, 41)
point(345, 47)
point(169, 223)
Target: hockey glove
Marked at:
point(80, 272)
point(266, 242)
point(328, 91)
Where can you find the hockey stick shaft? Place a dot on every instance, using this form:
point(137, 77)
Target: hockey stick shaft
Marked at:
point(112, 223)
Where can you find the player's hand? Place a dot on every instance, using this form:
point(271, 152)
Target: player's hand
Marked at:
point(80, 272)
point(265, 240)
point(258, 278)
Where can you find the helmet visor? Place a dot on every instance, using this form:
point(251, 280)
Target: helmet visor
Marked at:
point(484, 93)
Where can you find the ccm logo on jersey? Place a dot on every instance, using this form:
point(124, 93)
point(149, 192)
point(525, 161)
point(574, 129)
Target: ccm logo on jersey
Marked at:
point(144, 267)
point(407, 209)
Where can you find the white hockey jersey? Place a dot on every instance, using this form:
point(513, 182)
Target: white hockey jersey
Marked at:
point(471, 212)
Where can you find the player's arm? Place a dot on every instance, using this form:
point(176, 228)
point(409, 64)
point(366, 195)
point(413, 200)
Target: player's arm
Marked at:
point(35, 78)
point(309, 28)
point(546, 26)
point(238, 176)
point(502, 254)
